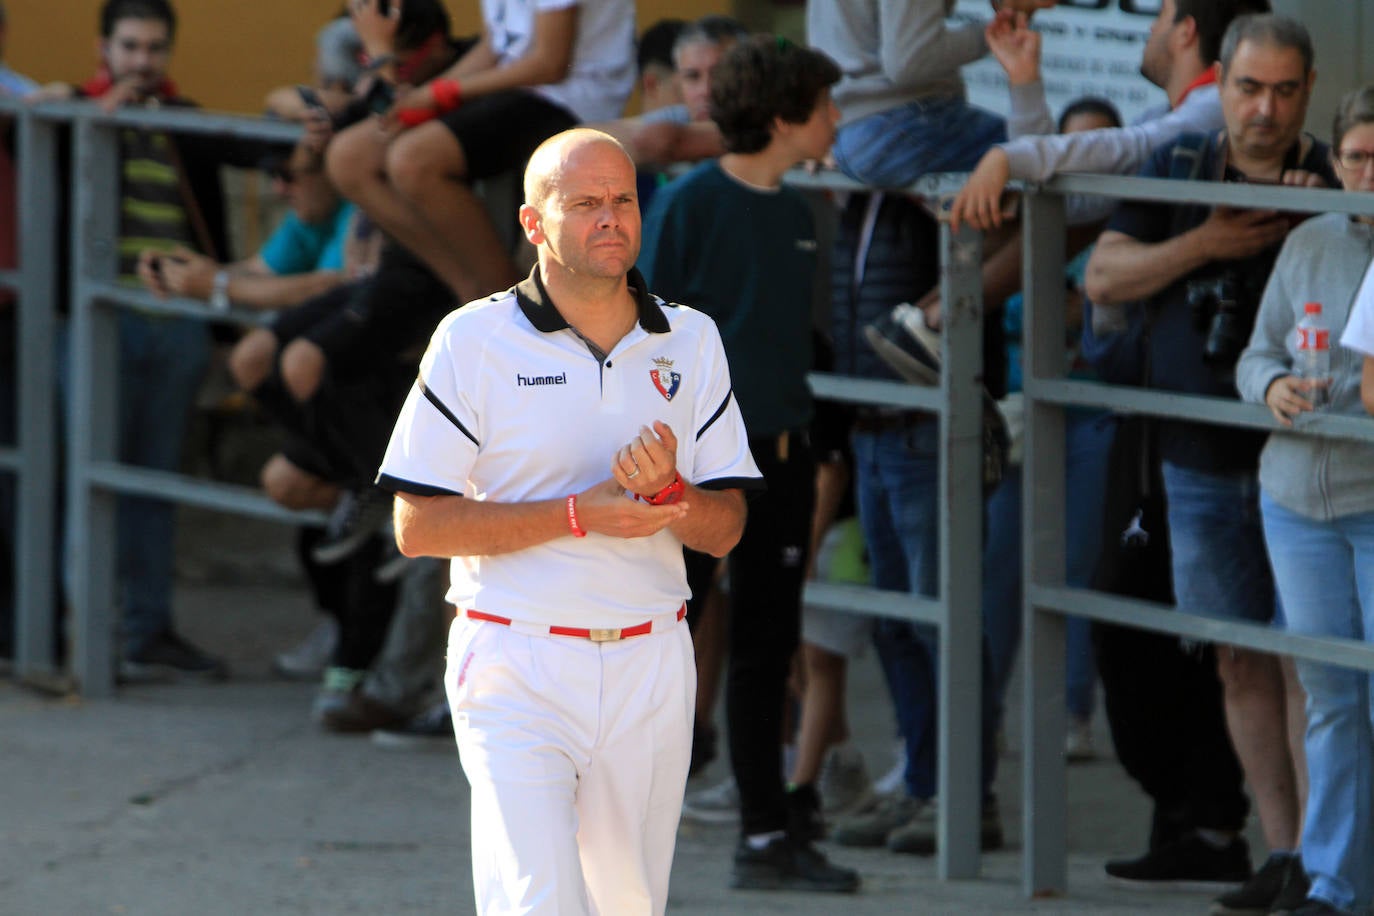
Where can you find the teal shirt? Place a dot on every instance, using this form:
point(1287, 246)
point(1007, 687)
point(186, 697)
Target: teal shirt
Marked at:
point(301, 248)
point(747, 258)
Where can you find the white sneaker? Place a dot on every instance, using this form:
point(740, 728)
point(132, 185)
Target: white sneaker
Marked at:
point(1078, 741)
point(716, 805)
point(843, 781)
point(308, 659)
point(894, 780)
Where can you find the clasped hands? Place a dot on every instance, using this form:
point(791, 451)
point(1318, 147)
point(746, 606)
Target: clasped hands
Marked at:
point(643, 467)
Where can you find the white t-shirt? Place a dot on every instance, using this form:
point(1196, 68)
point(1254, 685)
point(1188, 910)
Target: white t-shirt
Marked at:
point(512, 406)
point(602, 73)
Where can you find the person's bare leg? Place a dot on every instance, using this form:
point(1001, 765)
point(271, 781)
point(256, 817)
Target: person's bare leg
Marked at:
point(302, 368)
point(356, 161)
point(250, 362)
point(294, 488)
point(428, 168)
point(1296, 700)
point(822, 711)
point(1256, 718)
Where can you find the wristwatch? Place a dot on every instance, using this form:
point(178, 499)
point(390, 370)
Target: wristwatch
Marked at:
point(669, 494)
point(219, 292)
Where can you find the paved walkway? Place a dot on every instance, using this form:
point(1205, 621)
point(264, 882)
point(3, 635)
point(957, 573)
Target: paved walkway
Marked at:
point(225, 799)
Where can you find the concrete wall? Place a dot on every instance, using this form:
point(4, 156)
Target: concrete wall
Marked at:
point(1342, 30)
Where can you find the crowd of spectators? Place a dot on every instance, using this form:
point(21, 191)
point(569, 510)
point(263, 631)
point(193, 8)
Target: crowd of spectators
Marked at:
point(384, 232)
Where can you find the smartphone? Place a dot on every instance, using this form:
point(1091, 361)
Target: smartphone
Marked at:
point(310, 97)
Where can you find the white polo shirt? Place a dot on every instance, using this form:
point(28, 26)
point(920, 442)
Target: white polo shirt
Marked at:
point(512, 406)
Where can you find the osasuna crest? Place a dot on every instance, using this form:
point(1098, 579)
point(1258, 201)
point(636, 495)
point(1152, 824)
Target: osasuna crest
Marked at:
point(664, 378)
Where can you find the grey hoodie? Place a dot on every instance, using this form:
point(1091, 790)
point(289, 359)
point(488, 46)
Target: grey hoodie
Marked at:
point(1323, 261)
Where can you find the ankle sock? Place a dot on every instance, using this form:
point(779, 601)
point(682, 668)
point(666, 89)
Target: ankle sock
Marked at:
point(761, 840)
point(1217, 839)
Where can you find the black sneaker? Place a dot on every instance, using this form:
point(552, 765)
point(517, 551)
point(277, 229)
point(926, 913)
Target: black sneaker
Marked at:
point(787, 863)
point(430, 730)
point(1190, 863)
point(1256, 897)
point(356, 517)
point(1293, 896)
point(804, 813)
point(168, 657)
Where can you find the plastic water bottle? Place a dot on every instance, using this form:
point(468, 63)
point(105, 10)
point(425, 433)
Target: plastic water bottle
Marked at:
point(1314, 352)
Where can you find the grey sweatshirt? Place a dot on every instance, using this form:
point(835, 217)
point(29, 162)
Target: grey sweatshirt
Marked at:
point(892, 52)
point(1323, 261)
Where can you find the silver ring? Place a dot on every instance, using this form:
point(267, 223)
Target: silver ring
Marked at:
point(633, 474)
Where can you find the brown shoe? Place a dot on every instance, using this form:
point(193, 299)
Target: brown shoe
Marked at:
point(361, 714)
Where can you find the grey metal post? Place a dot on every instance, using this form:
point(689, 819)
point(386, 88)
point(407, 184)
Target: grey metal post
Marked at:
point(94, 360)
point(1042, 530)
point(961, 551)
point(36, 497)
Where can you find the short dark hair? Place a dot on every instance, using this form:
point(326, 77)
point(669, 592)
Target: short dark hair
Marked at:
point(1272, 30)
point(420, 20)
point(656, 44)
point(761, 78)
point(1213, 18)
point(116, 11)
point(1089, 105)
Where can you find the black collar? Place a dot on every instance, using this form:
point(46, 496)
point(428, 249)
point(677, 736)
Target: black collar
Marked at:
point(544, 315)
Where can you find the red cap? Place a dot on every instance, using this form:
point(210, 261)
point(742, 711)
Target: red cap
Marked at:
point(1312, 308)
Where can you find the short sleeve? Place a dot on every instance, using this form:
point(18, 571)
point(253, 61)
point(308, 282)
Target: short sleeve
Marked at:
point(721, 454)
point(1359, 330)
point(293, 248)
point(434, 444)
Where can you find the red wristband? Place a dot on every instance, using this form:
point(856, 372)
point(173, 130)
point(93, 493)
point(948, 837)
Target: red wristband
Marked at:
point(577, 531)
point(446, 93)
point(413, 117)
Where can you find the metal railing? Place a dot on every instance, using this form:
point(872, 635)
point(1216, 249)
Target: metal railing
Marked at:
point(94, 477)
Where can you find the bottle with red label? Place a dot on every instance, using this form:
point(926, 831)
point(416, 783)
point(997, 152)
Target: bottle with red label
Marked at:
point(1314, 352)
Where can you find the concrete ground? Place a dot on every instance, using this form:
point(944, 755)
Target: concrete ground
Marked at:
point(227, 799)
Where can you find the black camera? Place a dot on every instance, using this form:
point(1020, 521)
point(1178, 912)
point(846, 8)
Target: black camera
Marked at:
point(1220, 306)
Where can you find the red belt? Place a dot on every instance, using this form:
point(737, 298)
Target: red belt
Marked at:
point(594, 634)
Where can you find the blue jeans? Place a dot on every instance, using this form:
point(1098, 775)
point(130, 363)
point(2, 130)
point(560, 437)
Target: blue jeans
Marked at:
point(897, 483)
point(161, 364)
point(1325, 574)
point(1219, 560)
point(1088, 443)
point(893, 148)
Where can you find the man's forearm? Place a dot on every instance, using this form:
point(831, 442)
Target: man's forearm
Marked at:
point(256, 291)
point(455, 526)
point(1122, 268)
point(714, 522)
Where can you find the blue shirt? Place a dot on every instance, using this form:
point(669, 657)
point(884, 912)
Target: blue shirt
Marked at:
point(296, 247)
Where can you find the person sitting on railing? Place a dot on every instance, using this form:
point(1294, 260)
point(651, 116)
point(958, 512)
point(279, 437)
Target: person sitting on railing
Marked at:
point(170, 197)
point(539, 68)
point(1201, 270)
point(1317, 503)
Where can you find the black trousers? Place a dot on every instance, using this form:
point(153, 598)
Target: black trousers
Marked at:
point(1163, 702)
point(767, 572)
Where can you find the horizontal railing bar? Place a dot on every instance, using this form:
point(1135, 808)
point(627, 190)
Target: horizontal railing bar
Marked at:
point(857, 599)
point(1203, 409)
point(195, 491)
point(1247, 196)
point(141, 300)
point(171, 119)
point(829, 386)
point(1163, 618)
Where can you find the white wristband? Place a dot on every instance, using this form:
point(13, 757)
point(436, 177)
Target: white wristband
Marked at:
point(219, 292)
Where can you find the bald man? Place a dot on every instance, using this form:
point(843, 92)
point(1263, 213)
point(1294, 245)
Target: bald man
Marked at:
point(564, 441)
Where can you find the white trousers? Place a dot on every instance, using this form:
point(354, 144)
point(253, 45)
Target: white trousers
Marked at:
point(577, 755)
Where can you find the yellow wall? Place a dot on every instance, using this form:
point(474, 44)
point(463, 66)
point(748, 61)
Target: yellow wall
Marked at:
point(229, 53)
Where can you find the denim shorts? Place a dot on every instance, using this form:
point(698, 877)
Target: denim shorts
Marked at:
point(1220, 565)
point(895, 147)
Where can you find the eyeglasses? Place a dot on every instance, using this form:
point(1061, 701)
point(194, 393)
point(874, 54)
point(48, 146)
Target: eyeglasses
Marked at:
point(1354, 159)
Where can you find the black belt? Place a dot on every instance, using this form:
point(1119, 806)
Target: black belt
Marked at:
point(876, 421)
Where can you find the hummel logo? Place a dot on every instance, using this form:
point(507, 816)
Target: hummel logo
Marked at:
point(559, 379)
